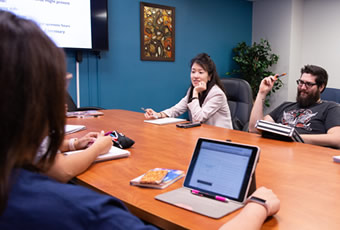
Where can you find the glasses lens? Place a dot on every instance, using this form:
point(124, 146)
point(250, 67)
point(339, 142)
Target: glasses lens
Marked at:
point(306, 83)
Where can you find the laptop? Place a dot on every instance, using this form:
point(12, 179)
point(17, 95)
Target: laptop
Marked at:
point(218, 178)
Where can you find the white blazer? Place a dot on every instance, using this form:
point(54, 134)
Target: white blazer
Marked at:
point(214, 111)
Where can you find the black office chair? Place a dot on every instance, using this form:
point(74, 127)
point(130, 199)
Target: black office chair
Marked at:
point(72, 106)
point(240, 100)
point(331, 94)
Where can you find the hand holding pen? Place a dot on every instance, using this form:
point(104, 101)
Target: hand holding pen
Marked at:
point(87, 140)
point(96, 140)
point(102, 143)
point(277, 76)
point(150, 113)
point(267, 83)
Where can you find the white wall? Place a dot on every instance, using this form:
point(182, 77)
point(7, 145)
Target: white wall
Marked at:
point(295, 61)
point(300, 32)
point(321, 37)
point(272, 21)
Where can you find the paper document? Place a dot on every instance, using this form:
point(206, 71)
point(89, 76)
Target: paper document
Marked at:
point(163, 121)
point(114, 153)
point(74, 128)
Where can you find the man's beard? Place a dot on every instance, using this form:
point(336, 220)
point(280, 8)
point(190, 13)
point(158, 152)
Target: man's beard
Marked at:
point(312, 98)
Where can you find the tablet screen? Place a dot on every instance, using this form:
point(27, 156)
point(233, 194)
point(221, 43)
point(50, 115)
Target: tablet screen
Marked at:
point(222, 168)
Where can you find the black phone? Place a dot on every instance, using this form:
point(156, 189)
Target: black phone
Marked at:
point(188, 124)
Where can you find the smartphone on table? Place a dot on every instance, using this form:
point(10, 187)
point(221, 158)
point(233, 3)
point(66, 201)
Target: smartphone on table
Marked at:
point(188, 124)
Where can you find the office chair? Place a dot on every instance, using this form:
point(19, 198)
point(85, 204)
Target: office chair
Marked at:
point(331, 94)
point(240, 100)
point(72, 106)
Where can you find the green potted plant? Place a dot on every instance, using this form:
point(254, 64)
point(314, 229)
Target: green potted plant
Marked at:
point(254, 62)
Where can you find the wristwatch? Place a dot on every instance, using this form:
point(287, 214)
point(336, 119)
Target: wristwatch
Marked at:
point(258, 201)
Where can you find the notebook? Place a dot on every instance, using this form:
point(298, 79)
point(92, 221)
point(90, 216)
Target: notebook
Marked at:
point(74, 128)
point(164, 121)
point(218, 169)
point(113, 153)
point(82, 114)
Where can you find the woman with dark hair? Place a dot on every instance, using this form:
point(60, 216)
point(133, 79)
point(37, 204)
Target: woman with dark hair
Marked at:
point(33, 91)
point(32, 75)
point(205, 99)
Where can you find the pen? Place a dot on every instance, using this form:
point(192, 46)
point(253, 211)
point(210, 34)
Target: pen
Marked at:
point(114, 137)
point(94, 139)
point(107, 133)
point(281, 75)
point(154, 115)
point(219, 198)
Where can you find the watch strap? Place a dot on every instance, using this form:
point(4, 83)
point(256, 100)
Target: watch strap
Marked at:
point(258, 200)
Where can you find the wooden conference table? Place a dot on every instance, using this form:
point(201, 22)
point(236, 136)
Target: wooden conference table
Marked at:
point(303, 176)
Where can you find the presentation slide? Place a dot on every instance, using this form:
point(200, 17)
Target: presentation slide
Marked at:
point(66, 22)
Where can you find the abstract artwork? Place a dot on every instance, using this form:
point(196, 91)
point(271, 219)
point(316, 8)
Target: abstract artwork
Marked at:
point(157, 32)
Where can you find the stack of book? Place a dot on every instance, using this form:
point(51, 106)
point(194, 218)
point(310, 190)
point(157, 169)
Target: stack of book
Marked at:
point(278, 131)
point(167, 179)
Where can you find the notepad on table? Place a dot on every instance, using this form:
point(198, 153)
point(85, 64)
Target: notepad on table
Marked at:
point(74, 128)
point(82, 114)
point(114, 153)
point(164, 121)
point(172, 176)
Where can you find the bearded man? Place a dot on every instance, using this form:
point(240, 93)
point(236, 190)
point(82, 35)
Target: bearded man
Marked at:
point(317, 121)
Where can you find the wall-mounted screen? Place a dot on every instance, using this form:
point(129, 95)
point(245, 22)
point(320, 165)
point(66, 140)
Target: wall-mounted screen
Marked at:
point(77, 24)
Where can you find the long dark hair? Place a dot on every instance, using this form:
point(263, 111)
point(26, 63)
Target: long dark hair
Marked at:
point(32, 92)
point(208, 65)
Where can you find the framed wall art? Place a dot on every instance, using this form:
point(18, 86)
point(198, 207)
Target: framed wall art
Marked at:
point(157, 37)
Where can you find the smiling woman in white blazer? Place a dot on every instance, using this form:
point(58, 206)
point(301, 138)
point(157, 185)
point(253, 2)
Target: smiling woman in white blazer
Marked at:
point(205, 100)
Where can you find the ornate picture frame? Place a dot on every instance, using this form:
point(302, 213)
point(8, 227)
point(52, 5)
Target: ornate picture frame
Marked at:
point(157, 32)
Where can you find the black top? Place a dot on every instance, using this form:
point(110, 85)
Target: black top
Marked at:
point(37, 202)
point(316, 119)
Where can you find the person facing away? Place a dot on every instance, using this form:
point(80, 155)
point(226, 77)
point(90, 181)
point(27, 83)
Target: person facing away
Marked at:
point(315, 120)
point(33, 107)
point(65, 167)
point(205, 100)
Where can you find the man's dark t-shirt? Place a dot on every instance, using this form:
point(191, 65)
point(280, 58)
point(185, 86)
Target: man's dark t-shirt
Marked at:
point(316, 119)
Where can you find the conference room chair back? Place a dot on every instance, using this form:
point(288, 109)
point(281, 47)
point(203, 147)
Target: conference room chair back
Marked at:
point(71, 106)
point(240, 100)
point(331, 94)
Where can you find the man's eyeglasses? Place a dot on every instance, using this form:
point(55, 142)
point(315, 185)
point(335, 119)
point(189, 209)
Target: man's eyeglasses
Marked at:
point(306, 83)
